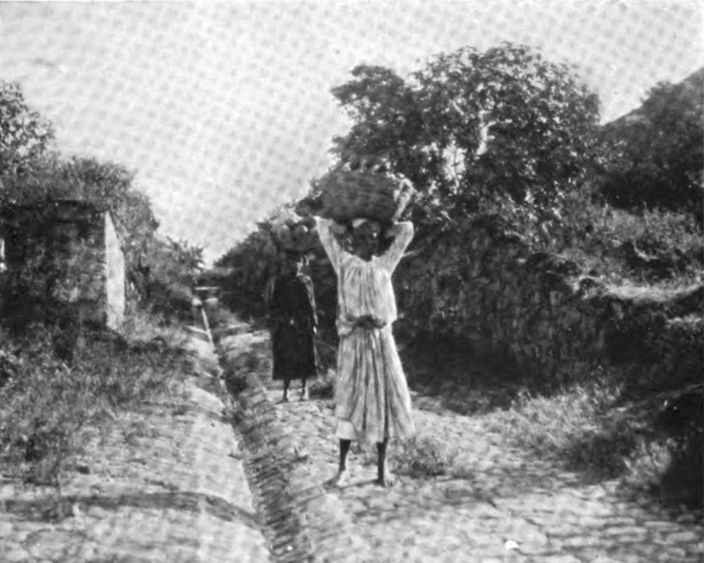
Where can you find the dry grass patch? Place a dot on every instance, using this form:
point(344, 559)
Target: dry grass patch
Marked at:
point(569, 425)
point(421, 456)
point(591, 427)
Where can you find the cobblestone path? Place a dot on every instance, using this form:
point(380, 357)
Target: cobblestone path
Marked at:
point(163, 484)
point(502, 508)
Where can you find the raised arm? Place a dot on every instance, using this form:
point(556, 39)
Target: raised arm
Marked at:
point(308, 303)
point(403, 234)
point(330, 244)
point(274, 302)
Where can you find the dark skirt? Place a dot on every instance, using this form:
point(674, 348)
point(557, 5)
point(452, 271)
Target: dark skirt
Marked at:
point(294, 353)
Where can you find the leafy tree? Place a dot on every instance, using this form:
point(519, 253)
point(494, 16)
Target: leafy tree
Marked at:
point(654, 156)
point(24, 133)
point(489, 125)
point(387, 121)
point(500, 130)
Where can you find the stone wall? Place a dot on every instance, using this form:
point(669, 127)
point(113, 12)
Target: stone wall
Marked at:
point(63, 258)
point(560, 322)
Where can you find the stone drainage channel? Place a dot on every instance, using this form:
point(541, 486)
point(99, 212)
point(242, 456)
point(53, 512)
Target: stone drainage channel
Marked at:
point(285, 500)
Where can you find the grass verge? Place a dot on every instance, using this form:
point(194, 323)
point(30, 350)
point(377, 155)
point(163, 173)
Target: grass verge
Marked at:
point(48, 402)
point(590, 427)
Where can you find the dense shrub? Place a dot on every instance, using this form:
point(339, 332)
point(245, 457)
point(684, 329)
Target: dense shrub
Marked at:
point(650, 246)
point(165, 277)
point(653, 157)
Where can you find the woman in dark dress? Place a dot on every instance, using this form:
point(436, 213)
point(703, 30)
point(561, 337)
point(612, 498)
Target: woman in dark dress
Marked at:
point(293, 322)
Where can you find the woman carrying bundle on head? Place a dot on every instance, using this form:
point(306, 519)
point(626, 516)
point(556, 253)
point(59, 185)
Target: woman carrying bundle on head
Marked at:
point(293, 321)
point(371, 394)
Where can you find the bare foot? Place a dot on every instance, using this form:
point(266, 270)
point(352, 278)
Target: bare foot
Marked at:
point(386, 482)
point(340, 480)
point(386, 479)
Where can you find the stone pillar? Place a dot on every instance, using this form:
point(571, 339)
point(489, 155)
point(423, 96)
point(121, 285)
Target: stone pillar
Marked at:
point(114, 276)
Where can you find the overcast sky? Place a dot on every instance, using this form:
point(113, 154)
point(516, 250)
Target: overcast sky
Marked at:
point(223, 110)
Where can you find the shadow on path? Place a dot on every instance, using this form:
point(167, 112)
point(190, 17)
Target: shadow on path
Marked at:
point(36, 509)
point(464, 380)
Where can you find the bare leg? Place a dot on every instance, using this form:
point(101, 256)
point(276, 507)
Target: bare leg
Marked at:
point(344, 450)
point(383, 477)
point(341, 477)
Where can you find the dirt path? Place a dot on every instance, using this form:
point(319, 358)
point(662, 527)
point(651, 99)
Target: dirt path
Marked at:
point(173, 483)
point(502, 508)
point(162, 484)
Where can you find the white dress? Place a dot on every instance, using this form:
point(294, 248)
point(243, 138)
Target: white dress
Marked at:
point(371, 393)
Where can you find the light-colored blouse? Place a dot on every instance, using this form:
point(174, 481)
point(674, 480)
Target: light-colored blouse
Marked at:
point(364, 287)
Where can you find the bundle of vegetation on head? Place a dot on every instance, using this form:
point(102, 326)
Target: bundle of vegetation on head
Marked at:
point(290, 231)
point(369, 194)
